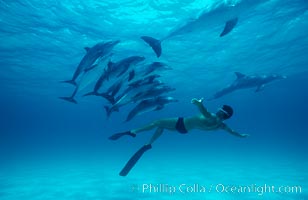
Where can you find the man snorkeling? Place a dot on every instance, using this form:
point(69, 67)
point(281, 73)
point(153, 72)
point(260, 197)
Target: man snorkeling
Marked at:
point(205, 121)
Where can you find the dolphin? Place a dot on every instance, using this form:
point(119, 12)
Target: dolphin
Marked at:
point(143, 81)
point(244, 82)
point(131, 94)
point(154, 67)
point(147, 105)
point(110, 93)
point(226, 14)
point(116, 70)
point(154, 92)
point(87, 78)
point(92, 54)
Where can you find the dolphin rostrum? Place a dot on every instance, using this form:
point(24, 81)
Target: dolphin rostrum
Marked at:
point(243, 82)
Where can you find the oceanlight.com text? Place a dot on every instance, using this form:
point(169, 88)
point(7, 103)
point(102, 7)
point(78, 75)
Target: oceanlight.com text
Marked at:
point(217, 188)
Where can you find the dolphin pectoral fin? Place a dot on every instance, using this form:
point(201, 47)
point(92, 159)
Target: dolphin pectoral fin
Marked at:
point(108, 110)
point(70, 82)
point(131, 75)
point(69, 99)
point(154, 43)
point(90, 68)
point(108, 97)
point(87, 49)
point(239, 75)
point(230, 24)
point(260, 88)
point(159, 107)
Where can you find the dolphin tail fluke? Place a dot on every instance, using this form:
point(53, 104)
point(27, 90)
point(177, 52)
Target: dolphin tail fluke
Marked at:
point(154, 43)
point(70, 82)
point(108, 97)
point(69, 99)
point(230, 24)
point(134, 159)
point(108, 110)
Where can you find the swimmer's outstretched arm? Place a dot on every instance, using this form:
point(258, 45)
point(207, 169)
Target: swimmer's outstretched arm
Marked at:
point(233, 132)
point(201, 107)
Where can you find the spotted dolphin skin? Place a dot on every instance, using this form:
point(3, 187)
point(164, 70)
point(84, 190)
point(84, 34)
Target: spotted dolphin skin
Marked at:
point(87, 62)
point(147, 105)
point(116, 70)
point(244, 82)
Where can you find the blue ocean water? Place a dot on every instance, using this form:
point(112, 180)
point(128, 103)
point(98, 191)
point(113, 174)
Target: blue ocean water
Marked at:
point(53, 149)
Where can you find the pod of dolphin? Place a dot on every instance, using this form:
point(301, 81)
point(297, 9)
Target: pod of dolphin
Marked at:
point(121, 83)
point(130, 80)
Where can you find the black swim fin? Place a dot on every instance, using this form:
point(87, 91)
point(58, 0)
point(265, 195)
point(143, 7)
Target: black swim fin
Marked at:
point(154, 43)
point(134, 159)
point(118, 135)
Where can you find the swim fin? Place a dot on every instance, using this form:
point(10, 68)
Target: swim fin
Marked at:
point(134, 159)
point(118, 135)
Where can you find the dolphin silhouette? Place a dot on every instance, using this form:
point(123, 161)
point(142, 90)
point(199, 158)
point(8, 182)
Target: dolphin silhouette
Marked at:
point(116, 70)
point(87, 62)
point(222, 14)
point(148, 105)
point(132, 93)
point(87, 79)
point(244, 82)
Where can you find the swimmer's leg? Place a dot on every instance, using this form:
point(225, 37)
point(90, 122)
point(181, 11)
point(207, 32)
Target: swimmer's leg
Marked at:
point(168, 123)
point(134, 159)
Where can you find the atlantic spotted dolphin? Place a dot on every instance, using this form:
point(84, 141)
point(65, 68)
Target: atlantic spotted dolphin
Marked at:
point(147, 105)
point(87, 78)
point(131, 94)
point(92, 54)
point(223, 14)
point(244, 82)
point(116, 70)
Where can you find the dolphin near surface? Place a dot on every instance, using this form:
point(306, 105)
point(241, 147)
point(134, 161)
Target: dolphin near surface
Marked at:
point(155, 44)
point(245, 82)
point(222, 14)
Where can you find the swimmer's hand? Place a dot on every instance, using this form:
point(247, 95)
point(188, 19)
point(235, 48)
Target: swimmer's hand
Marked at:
point(197, 102)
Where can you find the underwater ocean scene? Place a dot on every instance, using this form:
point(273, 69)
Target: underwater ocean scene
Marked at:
point(78, 78)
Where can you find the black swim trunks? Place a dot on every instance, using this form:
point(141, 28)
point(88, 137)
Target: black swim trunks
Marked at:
point(180, 126)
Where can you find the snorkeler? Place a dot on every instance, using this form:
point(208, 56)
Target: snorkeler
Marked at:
point(205, 121)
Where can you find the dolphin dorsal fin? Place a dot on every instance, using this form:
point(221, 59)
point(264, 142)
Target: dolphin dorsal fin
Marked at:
point(87, 49)
point(239, 75)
